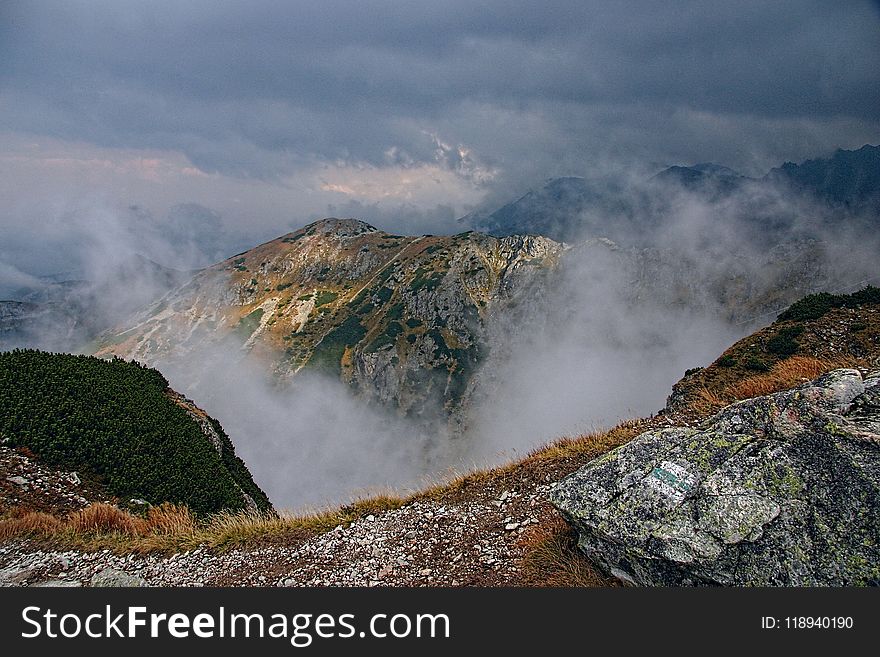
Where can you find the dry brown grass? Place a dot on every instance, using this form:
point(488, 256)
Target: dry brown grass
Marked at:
point(168, 528)
point(588, 445)
point(707, 402)
point(34, 523)
point(551, 557)
point(102, 525)
point(170, 519)
point(784, 375)
point(100, 518)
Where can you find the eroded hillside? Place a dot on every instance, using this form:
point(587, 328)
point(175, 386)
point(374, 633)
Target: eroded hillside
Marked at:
point(399, 319)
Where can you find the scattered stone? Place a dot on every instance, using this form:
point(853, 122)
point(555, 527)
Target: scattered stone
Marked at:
point(14, 576)
point(66, 583)
point(110, 577)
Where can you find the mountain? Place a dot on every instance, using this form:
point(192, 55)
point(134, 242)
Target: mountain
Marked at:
point(121, 423)
point(848, 179)
point(45, 325)
point(564, 209)
point(399, 319)
point(806, 197)
point(710, 180)
point(64, 313)
point(422, 325)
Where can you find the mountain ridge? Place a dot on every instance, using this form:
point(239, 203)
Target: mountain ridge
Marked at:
point(571, 207)
point(395, 315)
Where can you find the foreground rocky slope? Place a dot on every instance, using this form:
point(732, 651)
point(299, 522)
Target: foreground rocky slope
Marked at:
point(482, 532)
point(778, 490)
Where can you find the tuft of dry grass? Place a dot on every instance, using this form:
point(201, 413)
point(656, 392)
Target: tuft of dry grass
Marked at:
point(170, 519)
point(552, 559)
point(707, 402)
point(33, 523)
point(100, 525)
point(100, 518)
point(784, 375)
point(168, 528)
point(588, 445)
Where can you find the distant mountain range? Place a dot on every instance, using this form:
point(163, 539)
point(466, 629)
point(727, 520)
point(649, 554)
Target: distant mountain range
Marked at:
point(572, 208)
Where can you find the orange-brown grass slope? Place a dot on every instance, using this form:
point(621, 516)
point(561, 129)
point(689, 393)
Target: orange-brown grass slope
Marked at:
point(843, 337)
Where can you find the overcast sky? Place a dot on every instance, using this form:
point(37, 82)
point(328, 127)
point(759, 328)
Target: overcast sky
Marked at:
point(274, 113)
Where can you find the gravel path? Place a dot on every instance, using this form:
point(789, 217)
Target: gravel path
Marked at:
point(424, 543)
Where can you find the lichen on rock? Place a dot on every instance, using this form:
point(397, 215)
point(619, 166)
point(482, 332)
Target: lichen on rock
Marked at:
point(777, 490)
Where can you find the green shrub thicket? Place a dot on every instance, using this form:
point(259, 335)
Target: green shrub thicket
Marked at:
point(114, 419)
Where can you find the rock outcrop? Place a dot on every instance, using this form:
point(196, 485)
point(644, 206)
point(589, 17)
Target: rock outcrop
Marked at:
point(777, 490)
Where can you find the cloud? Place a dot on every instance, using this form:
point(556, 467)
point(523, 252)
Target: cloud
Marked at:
point(265, 89)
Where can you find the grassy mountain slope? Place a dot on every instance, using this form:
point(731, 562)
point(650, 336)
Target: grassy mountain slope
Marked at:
point(819, 329)
point(397, 318)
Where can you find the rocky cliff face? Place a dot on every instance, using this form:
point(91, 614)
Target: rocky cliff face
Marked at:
point(776, 490)
point(399, 319)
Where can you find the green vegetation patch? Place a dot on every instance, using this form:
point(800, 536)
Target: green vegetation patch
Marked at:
point(785, 343)
point(282, 286)
point(114, 419)
point(726, 361)
point(248, 324)
point(383, 295)
point(395, 312)
point(388, 336)
point(328, 353)
point(441, 349)
point(466, 361)
point(814, 306)
point(757, 365)
point(413, 322)
point(426, 279)
point(324, 297)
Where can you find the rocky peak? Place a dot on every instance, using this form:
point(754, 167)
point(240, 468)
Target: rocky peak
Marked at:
point(331, 226)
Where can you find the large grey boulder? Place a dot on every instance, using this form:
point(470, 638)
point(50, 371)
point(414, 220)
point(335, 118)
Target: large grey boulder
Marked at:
point(776, 490)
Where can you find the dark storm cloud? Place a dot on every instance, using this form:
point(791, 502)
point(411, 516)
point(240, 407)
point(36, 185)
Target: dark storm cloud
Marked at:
point(263, 88)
